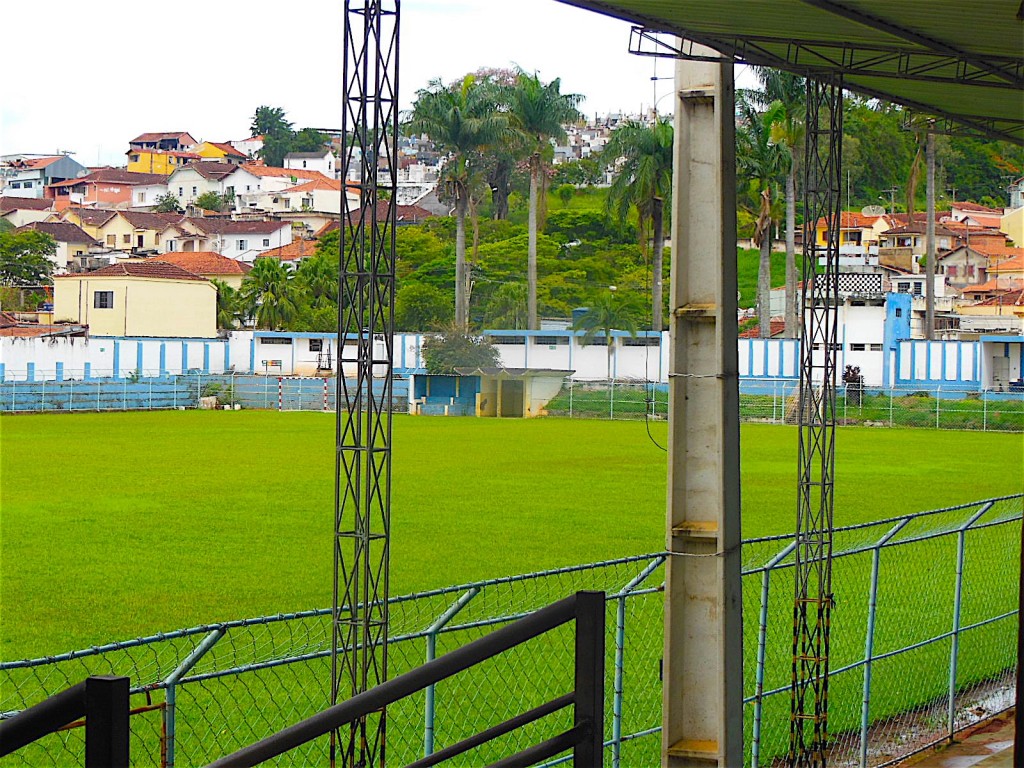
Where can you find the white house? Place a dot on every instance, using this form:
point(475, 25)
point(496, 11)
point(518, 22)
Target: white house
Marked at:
point(249, 147)
point(197, 178)
point(239, 240)
point(323, 161)
point(28, 176)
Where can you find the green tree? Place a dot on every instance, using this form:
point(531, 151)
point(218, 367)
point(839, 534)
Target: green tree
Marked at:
point(461, 120)
point(508, 307)
point(786, 97)
point(454, 348)
point(167, 203)
point(308, 140)
point(605, 314)
point(539, 111)
point(268, 294)
point(230, 313)
point(26, 257)
point(761, 163)
point(421, 307)
point(643, 154)
point(269, 121)
point(211, 201)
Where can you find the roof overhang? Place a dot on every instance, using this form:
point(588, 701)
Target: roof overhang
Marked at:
point(962, 63)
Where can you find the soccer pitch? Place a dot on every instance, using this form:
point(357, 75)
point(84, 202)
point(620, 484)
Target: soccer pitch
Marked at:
point(117, 525)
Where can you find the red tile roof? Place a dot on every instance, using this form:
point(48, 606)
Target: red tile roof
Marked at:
point(114, 176)
point(160, 135)
point(94, 217)
point(61, 231)
point(852, 220)
point(295, 250)
point(204, 263)
point(975, 208)
point(226, 148)
point(269, 170)
point(210, 169)
point(775, 328)
point(1015, 264)
point(42, 162)
point(156, 270)
point(228, 227)
point(986, 287)
point(1013, 298)
point(24, 204)
point(148, 220)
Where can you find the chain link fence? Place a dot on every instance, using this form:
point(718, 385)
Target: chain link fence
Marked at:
point(776, 401)
point(149, 390)
point(922, 645)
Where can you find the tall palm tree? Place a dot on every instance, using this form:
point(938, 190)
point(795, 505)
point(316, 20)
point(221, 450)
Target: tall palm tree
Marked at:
point(269, 295)
point(538, 113)
point(462, 121)
point(785, 96)
point(229, 311)
point(606, 314)
point(643, 154)
point(762, 162)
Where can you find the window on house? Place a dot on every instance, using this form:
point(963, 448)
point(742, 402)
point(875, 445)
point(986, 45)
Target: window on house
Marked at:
point(917, 289)
point(103, 299)
point(229, 191)
point(303, 163)
point(287, 202)
point(181, 191)
point(899, 312)
point(266, 242)
point(970, 270)
point(140, 197)
point(111, 240)
point(903, 287)
point(857, 347)
point(550, 341)
point(316, 345)
point(126, 239)
point(28, 185)
point(15, 185)
point(951, 270)
point(642, 341)
point(172, 246)
point(194, 191)
point(133, 158)
point(276, 340)
point(242, 245)
point(504, 340)
point(875, 347)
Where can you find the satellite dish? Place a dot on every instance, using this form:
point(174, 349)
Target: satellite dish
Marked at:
point(872, 210)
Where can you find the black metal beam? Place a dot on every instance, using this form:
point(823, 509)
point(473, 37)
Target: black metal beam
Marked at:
point(939, 46)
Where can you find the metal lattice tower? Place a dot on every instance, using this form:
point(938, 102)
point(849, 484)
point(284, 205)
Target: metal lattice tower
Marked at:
point(812, 606)
point(363, 430)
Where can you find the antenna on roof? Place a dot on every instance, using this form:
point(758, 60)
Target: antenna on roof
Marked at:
point(873, 210)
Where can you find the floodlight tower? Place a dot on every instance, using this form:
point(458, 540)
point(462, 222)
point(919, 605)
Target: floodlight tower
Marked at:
point(812, 607)
point(363, 429)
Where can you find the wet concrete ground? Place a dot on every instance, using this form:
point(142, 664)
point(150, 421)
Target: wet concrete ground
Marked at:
point(987, 745)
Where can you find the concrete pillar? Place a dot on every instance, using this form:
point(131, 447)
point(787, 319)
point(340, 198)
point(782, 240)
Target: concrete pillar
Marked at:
point(703, 686)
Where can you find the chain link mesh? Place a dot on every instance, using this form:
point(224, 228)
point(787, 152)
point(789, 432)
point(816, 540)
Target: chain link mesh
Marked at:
point(204, 692)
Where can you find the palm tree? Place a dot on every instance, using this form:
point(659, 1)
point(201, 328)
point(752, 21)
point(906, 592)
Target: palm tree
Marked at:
point(508, 307)
point(785, 96)
point(762, 162)
point(462, 121)
point(643, 154)
point(269, 295)
point(538, 113)
point(229, 310)
point(609, 312)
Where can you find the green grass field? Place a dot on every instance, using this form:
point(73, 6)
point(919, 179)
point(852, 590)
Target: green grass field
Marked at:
point(116, 525)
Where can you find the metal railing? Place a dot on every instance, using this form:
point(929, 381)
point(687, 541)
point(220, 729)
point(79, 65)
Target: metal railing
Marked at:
point(102, 701)
point(586, 609)
point(775, 401)
point(923, 645)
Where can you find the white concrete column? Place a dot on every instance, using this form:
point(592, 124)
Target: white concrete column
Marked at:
point(703, 692)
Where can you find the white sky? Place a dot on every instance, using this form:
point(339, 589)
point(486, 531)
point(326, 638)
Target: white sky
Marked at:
point(91, 76)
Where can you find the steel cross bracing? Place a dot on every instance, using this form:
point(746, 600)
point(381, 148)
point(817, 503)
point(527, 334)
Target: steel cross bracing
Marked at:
point(365, 313)
point(812, 605)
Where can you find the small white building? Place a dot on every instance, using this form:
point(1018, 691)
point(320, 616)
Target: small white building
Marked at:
point(323, 161)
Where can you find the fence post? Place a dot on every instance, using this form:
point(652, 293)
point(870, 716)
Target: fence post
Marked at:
point(984, 410)
point(99, 386)
point(611, 401)
point(13, 387)
point(106, 722)
point(938, 401)
point(71, 394)
point(171, 686)
point(762, 644)
point(432, 630)
point(890, 406)
point(620, 655)
point(124, 396)
point(961, 540)
point(589, 677)
point(570, 397)
point(869, 642)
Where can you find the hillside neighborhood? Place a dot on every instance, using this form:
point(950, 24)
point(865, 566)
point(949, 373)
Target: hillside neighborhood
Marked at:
point(141, 253)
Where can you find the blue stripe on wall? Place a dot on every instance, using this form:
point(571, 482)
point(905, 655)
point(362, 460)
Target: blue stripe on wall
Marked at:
point(117, 360)
point(59, 375)
point(163, 358)
point(138, 358)
point(206, 357)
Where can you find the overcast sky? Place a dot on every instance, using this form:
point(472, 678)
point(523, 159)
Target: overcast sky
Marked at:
point(91, 76)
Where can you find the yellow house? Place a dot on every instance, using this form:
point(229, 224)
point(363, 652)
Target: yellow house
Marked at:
point(108, 227)
point(225, 153)
point(1012, 225)
point(854, 229)
point(149, 298)
point(160, 161)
